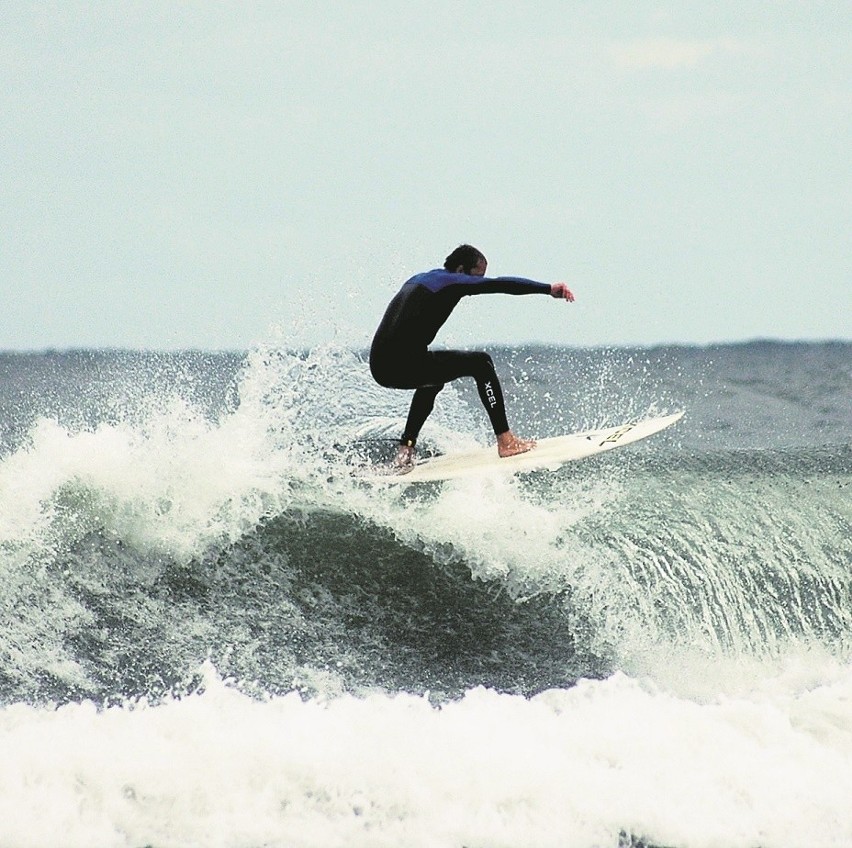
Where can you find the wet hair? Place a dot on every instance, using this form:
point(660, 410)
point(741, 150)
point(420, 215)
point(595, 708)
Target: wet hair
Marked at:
point(465, 255)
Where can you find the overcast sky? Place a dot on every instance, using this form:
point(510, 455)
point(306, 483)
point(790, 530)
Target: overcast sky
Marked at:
point(216, 174)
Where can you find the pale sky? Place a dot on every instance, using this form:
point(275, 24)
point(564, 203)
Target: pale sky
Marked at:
point(218, 174)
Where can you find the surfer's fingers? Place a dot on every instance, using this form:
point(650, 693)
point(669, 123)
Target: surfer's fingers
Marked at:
point(561, 291)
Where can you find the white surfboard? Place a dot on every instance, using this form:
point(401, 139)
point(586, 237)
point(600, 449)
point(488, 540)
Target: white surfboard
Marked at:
point(547, 454)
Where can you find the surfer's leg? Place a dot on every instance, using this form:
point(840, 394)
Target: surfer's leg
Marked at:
point(429, 374)
point(479, 365)
point(422, 405)
point(452, 364)
point(490, 392)
point(406, 369)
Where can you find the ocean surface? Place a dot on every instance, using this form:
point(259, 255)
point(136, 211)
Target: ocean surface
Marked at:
point(214, 633)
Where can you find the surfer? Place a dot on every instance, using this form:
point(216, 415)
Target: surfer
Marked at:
point(400, 357)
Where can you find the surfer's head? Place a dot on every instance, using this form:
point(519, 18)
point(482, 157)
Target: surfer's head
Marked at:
point(466, 259)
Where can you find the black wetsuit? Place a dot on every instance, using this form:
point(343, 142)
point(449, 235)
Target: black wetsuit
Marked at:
point(400, 358)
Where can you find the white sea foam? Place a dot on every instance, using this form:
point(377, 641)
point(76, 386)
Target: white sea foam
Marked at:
point(702, 739)
point(566, 768)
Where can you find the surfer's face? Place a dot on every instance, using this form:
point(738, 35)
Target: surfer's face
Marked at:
point(480, 268)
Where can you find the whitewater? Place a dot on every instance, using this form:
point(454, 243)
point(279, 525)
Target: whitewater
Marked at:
point(214, 632)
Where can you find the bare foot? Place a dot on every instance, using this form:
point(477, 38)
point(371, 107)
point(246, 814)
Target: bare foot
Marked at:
point(404, 457)
point(508, 444)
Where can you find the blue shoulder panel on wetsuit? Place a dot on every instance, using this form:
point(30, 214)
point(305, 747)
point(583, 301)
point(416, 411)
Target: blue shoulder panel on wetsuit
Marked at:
point(434, 280)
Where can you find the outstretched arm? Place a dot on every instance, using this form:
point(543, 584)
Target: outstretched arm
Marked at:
point(467, 284)
point(473, 284)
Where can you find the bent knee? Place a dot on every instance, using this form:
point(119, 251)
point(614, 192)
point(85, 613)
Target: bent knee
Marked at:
point(484, 363)
point(427, 391)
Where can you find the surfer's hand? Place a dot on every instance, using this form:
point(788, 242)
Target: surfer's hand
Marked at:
point(561, 291)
